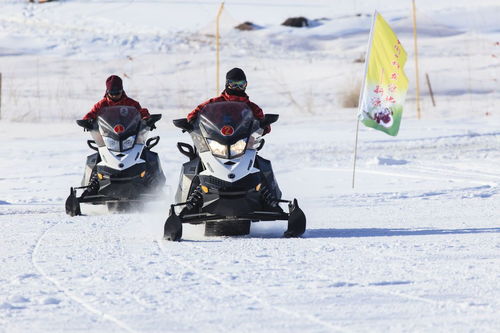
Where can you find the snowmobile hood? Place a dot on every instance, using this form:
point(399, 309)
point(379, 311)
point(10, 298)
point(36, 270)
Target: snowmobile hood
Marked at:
point(227, 122)
point(119, 122)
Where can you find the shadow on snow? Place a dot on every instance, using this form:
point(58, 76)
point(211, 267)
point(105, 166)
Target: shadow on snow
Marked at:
point(382, 232)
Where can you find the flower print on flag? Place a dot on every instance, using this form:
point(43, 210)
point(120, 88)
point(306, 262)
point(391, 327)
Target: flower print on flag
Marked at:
point(379, 90)
point(390, 99)
point(376, 101)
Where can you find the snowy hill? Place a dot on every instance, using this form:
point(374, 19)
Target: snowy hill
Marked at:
point(414, 246)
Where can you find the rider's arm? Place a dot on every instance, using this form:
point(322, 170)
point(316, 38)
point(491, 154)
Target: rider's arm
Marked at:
point(92, 114)
point(259, 114)
point(193, 114)
point(143, 111)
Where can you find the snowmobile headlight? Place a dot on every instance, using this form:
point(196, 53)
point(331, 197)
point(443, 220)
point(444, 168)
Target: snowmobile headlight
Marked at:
point(128, 142)
point(217, 148)
point(111, 143)
point(238, 148)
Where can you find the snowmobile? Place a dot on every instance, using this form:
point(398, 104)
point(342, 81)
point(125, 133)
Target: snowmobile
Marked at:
point(225, 184)
point(124, 171)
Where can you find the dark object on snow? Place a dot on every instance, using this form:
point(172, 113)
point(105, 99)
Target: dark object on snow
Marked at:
point(247, 26)
point(360, 59)
point(297, 22)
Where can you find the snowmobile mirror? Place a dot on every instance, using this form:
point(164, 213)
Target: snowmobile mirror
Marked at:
point(183, 124)
point(87, 124)
point(269, 119)
point(151, 142)
point(186, 150)
point(262, 142)
point(91, 144)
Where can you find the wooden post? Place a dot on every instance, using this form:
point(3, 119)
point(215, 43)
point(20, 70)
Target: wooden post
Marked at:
point(217, 47)
point(430, 89)
point(416, 57)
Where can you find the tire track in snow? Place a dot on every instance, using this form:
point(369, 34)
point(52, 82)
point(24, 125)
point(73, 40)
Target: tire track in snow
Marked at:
point(325, 277)
point(374, 288)
point(226, 285)
point(459, 176)
point(67, 292)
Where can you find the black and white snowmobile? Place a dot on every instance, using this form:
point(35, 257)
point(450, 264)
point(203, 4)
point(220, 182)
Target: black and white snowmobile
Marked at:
point(225, 184)
point(124, 171)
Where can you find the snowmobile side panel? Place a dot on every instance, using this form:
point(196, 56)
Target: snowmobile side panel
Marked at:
point(188, 173)
point(92, 160)
point(266, 169)
point(154, 172)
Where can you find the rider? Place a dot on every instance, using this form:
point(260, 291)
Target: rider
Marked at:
point(236, 83)
point(115, 96)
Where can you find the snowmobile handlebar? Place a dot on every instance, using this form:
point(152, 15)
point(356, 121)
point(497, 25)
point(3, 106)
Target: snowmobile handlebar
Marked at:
point(269, 119)
point(151, 121)
point(87, 124)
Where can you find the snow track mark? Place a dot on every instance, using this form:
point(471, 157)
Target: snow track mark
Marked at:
point(67, 292)
point(249, 295)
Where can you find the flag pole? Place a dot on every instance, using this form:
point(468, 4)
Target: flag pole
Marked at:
point(367, 58)
point(217, 47)
point(416, 57)
point(355, 153)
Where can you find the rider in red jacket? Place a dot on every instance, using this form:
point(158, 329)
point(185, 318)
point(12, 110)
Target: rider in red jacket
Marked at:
point(236, 83)
point(115, 96)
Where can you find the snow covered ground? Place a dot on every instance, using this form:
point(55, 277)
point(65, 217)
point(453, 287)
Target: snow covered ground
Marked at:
point(415, 246)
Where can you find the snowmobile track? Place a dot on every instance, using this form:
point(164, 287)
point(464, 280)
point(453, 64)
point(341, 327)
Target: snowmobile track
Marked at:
point(306, 316)
point(67, 292)
point(366, 286)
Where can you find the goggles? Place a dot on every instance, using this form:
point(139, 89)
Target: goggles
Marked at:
point(115, 93)
point(236, 85)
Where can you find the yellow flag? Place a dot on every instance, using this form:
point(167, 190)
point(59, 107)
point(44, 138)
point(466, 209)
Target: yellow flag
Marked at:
point(385, 83)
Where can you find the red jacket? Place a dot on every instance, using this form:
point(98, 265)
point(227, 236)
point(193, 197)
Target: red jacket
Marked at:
point(106, 101)
point(257, 111)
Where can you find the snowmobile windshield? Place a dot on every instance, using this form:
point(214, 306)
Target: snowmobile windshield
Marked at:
point(227, 126)
point(119, 126)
